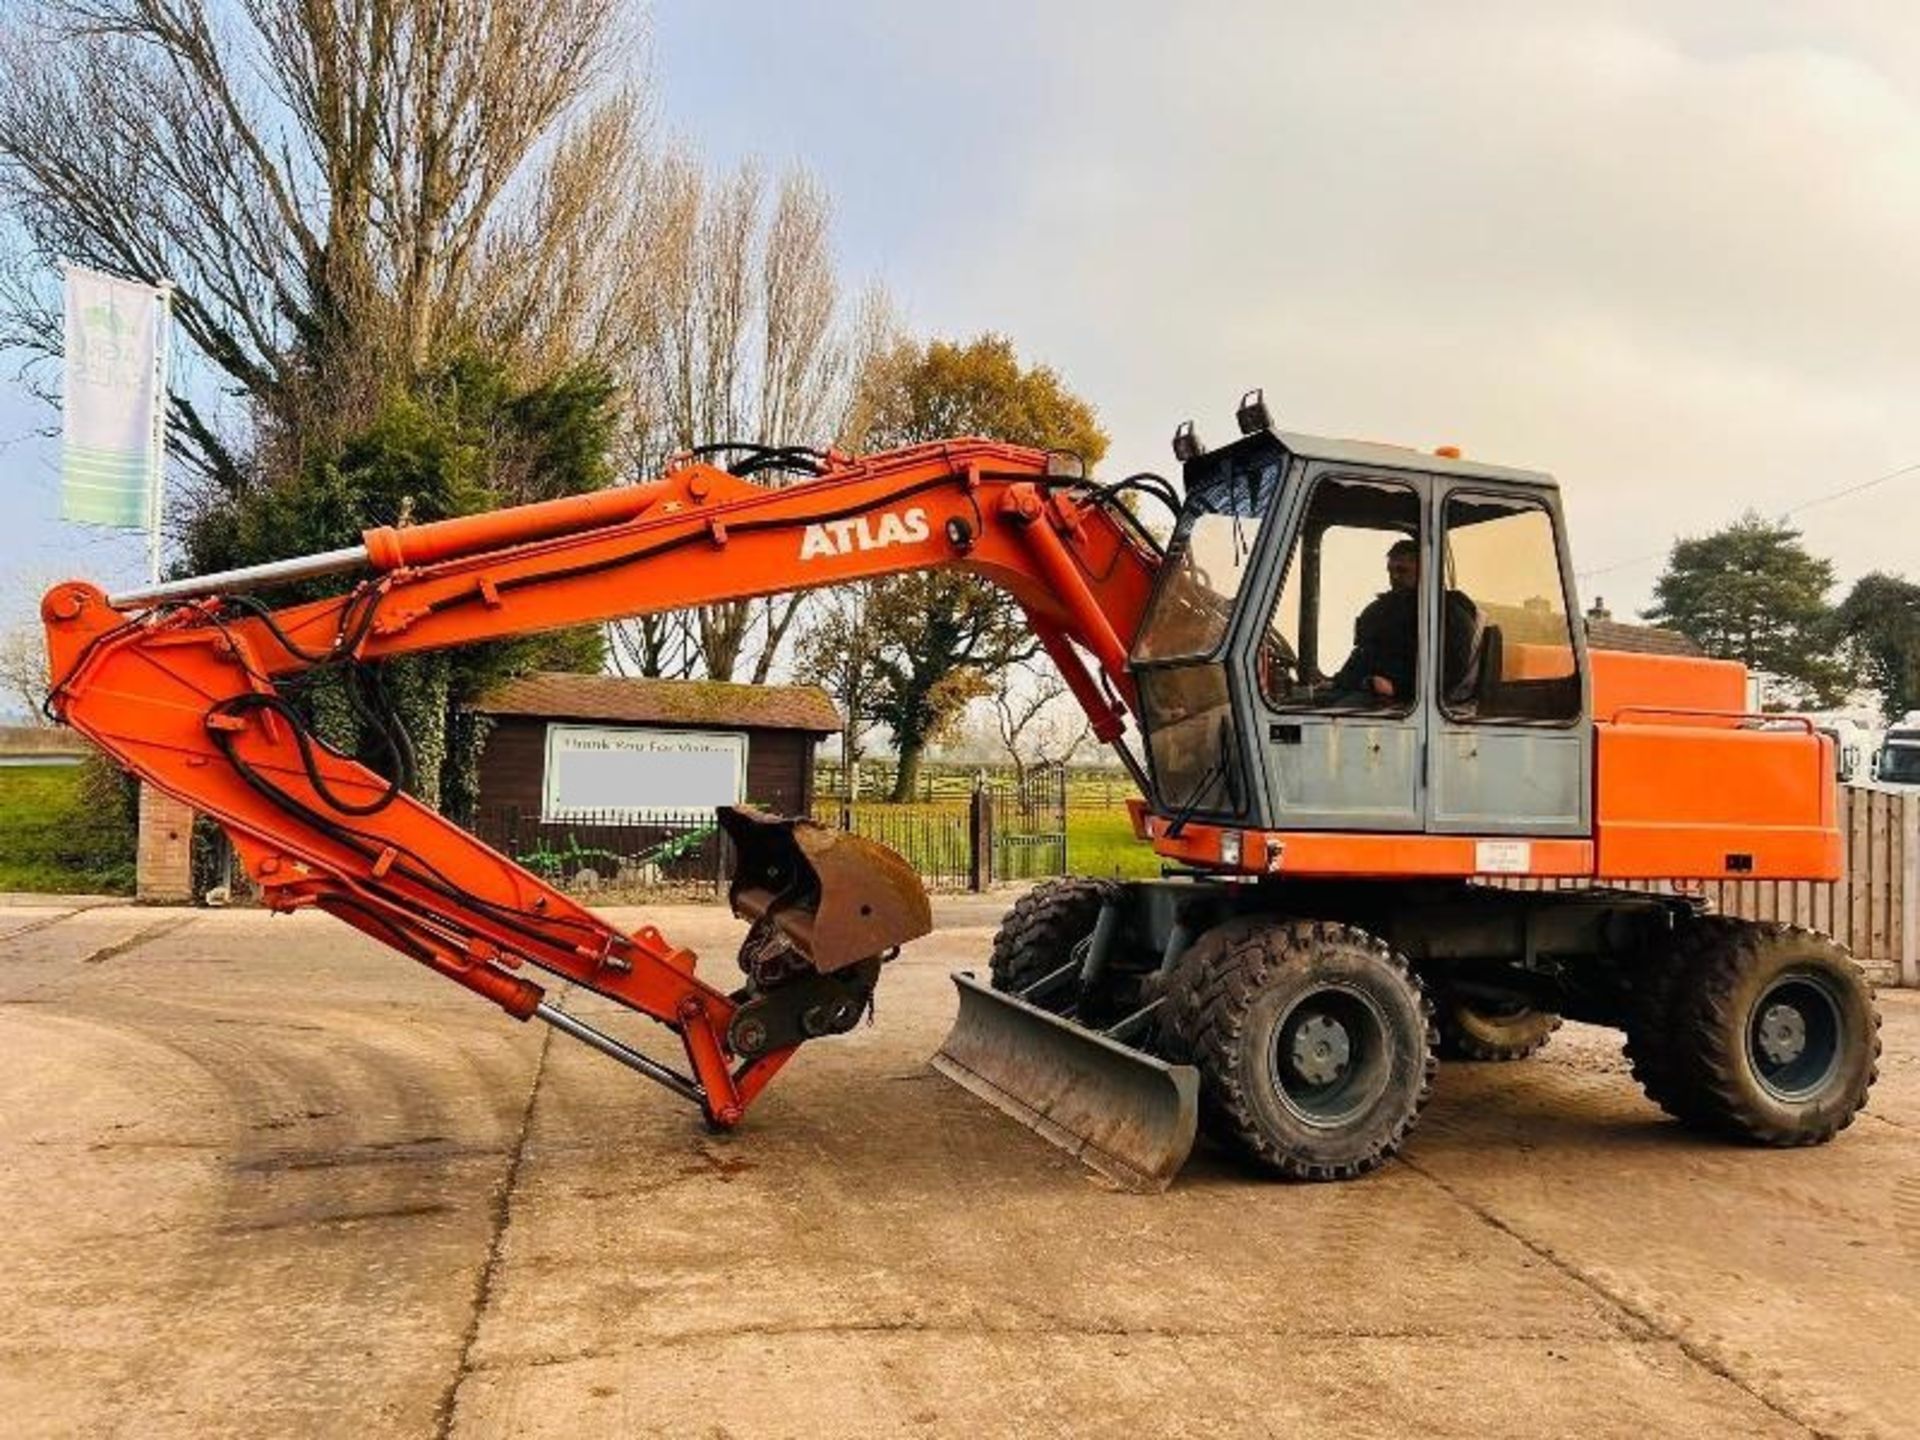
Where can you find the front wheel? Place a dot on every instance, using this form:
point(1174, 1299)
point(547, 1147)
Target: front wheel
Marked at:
point(1048, 926)
point(1314, 1043)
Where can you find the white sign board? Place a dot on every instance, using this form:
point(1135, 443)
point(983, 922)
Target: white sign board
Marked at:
point(1502, 857)
point(596, 771)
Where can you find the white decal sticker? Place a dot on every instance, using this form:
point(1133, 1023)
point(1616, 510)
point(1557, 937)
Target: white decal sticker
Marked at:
point(1502, 857)
point(863, 532)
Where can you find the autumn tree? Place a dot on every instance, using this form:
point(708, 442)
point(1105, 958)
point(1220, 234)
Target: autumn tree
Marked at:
point(936, 638)
point(1751, 592)
point(1879, 626)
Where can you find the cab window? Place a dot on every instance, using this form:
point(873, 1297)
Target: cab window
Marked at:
point(1509, 652)
point(1345, 632)
point(1208, 559)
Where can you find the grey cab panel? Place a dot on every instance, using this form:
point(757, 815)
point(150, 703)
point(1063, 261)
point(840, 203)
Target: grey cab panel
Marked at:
point(1489, 781)
point(1344, 773)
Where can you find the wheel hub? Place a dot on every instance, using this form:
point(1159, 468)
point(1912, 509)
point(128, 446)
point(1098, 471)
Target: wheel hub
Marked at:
point(1782, 1034)
point(1321, 1050)
point(1331, 1057)
point(1796, 1037)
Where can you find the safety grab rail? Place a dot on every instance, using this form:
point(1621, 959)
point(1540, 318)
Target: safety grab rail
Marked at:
point(1707, 714)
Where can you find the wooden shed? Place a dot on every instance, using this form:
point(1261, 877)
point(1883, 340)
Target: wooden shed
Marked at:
point(563, 744)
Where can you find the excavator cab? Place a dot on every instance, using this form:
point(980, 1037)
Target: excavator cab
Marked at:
point(1347, 646)
point(1365, 691)
point(1353, 637)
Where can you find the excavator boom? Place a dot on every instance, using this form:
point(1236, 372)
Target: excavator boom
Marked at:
point(182, 683)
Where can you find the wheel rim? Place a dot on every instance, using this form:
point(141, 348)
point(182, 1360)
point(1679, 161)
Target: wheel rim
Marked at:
point(1331, 1056)
point(1794, 1036)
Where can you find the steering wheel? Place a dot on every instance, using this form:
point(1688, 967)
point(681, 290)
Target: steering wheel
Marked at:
point(1277, 667)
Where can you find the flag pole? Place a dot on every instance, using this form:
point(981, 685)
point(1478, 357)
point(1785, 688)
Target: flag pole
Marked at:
point(158, 441)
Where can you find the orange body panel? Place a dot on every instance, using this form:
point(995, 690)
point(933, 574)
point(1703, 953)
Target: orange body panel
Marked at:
point(1660, 689)
point(1693, 802)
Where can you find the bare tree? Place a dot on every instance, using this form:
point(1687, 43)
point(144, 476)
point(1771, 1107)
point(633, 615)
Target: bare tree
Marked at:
point(321, 181)
point(342, 193)
point(24, 677)
point(738, 333)
point(23, 671)
point(1036, 728)
point(836, 650)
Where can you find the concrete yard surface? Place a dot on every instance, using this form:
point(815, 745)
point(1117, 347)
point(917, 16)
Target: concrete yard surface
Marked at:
point(261, 1177)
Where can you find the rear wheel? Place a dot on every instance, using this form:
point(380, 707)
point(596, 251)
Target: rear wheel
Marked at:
point(1314, 1044)
point(1769, 1033)
point(1653, 1051)
point(1476, 1029)
point(1044, 930)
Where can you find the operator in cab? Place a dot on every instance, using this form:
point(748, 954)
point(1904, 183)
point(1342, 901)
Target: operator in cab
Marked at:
point(1386, 639)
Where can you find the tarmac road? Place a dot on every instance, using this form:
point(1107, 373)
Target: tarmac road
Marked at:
point(261, 1177)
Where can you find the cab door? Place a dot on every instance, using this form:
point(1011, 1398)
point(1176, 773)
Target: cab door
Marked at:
point(1339, 753)
point(1511, 742)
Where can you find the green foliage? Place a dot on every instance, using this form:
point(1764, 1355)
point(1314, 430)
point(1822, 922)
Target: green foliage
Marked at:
point(67, 829)
point(457, 441)
point(460, 440)
point(1751, 592)
point(935, 637)
point(1879, 626)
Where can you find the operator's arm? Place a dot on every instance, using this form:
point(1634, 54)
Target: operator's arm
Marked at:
point(1360, 673)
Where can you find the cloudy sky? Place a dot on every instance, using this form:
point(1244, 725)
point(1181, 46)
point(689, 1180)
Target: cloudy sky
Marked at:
point(1664, 250)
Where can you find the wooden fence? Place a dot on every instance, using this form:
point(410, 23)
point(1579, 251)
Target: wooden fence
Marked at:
point(1875, 910)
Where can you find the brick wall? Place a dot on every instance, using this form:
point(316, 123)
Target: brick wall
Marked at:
point(164, 861)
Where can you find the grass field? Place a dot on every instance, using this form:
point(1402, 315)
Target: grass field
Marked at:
point(58, 836)
point(1100, 842)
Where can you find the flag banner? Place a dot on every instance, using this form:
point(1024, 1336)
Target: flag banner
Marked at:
point(111, 458)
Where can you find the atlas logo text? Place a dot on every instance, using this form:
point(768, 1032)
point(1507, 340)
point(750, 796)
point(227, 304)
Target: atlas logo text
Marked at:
point(863, 532)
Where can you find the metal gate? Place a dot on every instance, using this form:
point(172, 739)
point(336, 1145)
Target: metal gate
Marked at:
point(1028, 824)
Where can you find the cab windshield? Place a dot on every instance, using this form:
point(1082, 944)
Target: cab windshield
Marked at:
point(1209, 556)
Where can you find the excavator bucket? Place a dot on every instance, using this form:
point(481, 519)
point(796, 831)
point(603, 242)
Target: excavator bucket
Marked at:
point(838, 898)
point(1122, 1112)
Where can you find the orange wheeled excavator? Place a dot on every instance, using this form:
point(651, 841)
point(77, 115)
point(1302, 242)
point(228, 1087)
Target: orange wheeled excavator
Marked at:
point(1343, 786)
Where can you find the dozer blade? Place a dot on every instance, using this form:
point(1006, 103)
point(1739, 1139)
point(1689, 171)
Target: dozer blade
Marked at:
point(1122, 1112)
point(838, 898)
